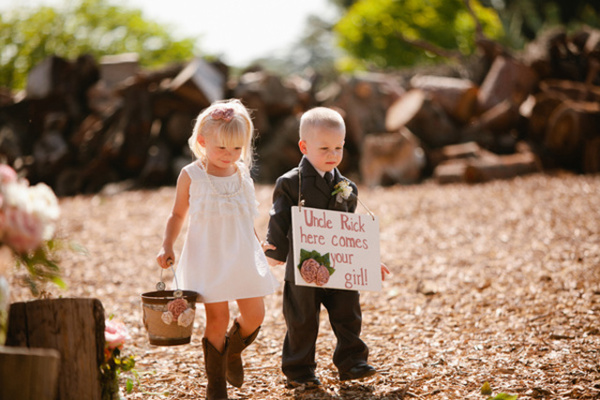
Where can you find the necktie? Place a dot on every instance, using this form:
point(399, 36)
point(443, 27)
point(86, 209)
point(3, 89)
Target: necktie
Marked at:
point(329, 178)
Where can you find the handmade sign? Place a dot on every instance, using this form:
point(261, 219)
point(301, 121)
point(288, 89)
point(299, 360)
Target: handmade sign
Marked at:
point(337, 250)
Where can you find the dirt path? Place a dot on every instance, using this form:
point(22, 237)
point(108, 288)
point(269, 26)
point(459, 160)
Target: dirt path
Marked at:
point(498, 282)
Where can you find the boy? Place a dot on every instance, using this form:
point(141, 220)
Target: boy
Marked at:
point(322, 135)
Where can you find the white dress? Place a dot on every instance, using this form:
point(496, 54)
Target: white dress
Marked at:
point(221, 258)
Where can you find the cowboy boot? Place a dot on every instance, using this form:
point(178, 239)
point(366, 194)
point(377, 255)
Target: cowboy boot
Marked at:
point(235, 369)
point(215, 365)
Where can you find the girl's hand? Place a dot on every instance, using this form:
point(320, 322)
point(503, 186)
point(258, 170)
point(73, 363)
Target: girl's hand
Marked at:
point(384, 271)
point(165, 259)
point(267, 246)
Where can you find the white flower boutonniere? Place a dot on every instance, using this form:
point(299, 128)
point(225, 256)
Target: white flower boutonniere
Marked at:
point(342, 190)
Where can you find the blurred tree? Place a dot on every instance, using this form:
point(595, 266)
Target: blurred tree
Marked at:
point(393, 33)
point(523, 19)
point(87, 27)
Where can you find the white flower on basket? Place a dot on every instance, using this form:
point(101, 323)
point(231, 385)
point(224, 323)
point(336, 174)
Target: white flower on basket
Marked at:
point(167, 317)
point(342, 191)
point(186, 317)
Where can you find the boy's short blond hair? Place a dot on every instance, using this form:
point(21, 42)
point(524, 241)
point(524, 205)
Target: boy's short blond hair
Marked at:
point(320, 117)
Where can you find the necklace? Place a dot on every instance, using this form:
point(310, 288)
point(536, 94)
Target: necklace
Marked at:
point(214, 189)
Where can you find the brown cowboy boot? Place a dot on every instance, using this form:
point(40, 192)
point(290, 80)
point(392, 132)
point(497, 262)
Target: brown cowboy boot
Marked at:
point(215, 365)
point(235, 369)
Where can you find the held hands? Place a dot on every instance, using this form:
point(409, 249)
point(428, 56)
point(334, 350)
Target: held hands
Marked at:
point(268, 246)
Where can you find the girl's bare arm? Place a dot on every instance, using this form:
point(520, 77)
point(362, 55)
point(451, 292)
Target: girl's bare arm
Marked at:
point(166, 255)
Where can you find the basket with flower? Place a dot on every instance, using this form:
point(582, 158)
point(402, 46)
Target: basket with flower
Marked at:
point(169, 315)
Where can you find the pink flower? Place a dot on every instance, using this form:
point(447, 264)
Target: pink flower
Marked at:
point(223, 113)
point(23, 232)
point(322, 276)
point(309, 270)
point(115, 334)
point(7, 175)
point(177, 306)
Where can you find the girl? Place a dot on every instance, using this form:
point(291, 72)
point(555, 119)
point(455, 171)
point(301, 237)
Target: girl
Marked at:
point(221, 258)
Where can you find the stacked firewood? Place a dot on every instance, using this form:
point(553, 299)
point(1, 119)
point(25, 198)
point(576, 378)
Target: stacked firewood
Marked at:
point(540, 109)
point(83, 124)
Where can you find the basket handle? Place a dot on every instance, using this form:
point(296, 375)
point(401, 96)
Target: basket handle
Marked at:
point(170, 264)
point(161, 285)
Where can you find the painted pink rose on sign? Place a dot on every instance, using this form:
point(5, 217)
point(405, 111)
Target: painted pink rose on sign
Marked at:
point(309, 270)
point(322, 276)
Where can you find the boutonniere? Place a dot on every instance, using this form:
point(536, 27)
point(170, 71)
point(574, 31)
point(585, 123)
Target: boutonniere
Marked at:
point(342, 190)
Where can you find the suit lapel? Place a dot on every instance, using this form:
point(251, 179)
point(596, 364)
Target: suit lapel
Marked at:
point(310, 176)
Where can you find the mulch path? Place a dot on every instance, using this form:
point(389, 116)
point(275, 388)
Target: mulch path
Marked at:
point(497, 282)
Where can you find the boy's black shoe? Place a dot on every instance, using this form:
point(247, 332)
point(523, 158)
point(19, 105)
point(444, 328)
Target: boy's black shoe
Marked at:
point(309, 381)
point(358, 372)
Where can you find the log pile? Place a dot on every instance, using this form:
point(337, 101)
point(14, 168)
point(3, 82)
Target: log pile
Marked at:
point(540, 109)
point(82, 124)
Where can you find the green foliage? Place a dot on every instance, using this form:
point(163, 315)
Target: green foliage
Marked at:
point(486, 389)
point(87, 27)
point(379, 31)
point(42, 266)
point(504, 396)
point(111, 370)
point(524, 19)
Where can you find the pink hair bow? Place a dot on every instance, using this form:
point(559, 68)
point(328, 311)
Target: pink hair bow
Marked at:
point(226, 114)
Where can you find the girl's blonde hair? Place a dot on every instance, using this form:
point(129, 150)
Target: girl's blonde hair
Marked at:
point(231, 124)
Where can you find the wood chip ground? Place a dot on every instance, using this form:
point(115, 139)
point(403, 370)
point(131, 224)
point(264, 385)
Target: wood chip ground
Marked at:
point(497, 282)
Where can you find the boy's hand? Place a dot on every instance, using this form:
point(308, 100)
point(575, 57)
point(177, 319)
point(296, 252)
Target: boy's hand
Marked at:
point(384, 271)
point(268, 246)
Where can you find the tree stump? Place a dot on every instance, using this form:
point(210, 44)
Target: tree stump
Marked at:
point(28, 374)
point(75, 328)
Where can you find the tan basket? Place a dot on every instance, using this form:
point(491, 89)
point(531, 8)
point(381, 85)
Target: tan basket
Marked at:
point(154, 304)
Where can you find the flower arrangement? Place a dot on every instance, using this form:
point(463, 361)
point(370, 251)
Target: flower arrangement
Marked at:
point(28, 216)
point(342, 190)
point(178, 310)
point(115, 334)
